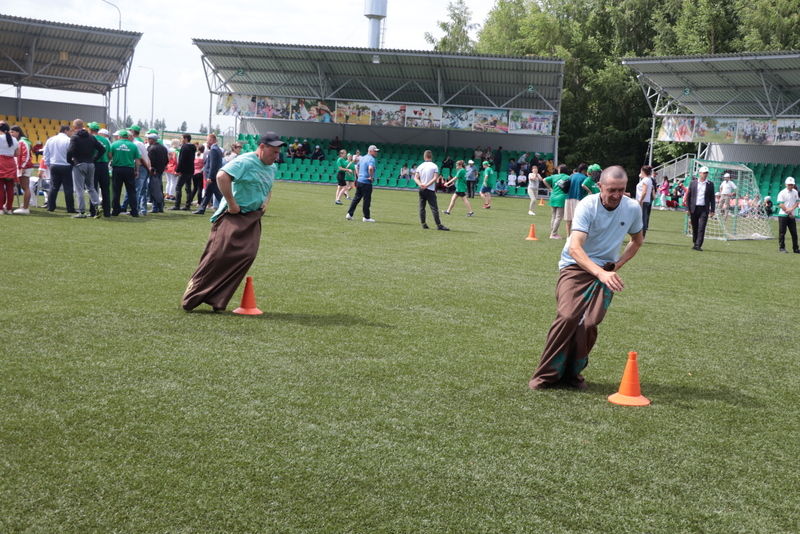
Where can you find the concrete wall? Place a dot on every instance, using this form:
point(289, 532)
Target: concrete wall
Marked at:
point(53, 110)
point(404, 136)
point(755, 154)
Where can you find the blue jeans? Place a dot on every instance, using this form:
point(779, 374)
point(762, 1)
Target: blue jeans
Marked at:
point(142, 190)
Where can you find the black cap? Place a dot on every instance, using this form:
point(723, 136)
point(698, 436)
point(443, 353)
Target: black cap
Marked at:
point(271, 139)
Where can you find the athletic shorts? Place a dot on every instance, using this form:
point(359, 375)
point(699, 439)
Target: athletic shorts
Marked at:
point(569, 208)
point(485, 189)
point(340, 179)
point(461, 194)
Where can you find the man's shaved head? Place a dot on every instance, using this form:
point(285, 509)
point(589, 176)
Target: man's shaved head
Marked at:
point(614, 172)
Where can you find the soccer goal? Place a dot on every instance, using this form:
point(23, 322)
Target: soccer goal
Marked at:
point(743, 215)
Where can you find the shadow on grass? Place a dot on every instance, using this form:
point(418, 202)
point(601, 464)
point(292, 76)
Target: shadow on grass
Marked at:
point(683, 395)
point(305, 319)
point(320, 319)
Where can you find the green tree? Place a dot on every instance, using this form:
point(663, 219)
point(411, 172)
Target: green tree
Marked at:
point(456, 30)
point(203, 129)
point(183, 127)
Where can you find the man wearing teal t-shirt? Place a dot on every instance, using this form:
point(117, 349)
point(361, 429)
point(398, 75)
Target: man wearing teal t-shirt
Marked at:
point(246, 186)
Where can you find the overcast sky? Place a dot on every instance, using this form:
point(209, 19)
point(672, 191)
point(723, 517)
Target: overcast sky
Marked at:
point(168, 28)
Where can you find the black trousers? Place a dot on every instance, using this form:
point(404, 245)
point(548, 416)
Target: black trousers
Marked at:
point(783, 224)
point(363, 191)
point(124, 176)
point(197, 189)
point(61, 176)
point(156, 190)
point(426, 196)
point(699, 218)
point(184, 181)
point(646, 208)
point(212, 191)
point(471, 189)
point(101, 180)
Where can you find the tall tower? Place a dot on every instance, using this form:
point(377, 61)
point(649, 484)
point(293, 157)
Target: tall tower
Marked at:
point(375, 11)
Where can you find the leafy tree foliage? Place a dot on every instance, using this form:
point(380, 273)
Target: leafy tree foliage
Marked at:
point(605, 118)
point(183, 127)
point(456, 30)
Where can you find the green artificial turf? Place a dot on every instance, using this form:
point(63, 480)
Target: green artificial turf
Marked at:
point(385, 387)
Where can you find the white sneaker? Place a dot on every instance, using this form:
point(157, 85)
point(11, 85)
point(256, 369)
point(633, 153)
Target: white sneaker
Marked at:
point(21, 211)
point(531, 213)
point(364, 219)
point(348, 217)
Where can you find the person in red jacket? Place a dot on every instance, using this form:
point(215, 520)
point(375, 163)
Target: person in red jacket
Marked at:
point(25, 166)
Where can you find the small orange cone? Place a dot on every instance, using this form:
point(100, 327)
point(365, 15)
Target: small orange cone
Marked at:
point(532, 234)
point(541, 202)
point(248, 306)
point(630, 394)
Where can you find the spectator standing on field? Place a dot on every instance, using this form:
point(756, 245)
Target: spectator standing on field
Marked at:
point(9, 150)
point(367, 166)
point(472, 178)
point(84, 150)
point(426, 177)
point(574, 194)
point(159, 159)
point(211, 166)
point(534, 178)
point(60, 169)
point(787, 204)
point(125, 156)
point(699, 200)
point(645, 191)
point(460, 181)
point(185, 170)
point(25, 166)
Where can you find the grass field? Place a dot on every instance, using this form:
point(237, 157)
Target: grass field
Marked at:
point(385, 387)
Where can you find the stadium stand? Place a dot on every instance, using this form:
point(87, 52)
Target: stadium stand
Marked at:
point(37, 129)
point(391, 160)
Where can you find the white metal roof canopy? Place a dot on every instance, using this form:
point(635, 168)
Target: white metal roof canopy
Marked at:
point(382, 75)
point(52, 55)
point(756, 85)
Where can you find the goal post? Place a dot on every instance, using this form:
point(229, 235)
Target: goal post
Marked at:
point(742, 214)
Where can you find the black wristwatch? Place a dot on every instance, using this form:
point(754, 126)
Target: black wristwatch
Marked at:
point(609, 266)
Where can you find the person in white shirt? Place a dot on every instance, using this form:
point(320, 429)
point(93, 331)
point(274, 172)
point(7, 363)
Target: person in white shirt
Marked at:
point(645, 191)
point(55, 154)
point(787, 204)
point(727, 191)
point(533, 188)
point(426, 176)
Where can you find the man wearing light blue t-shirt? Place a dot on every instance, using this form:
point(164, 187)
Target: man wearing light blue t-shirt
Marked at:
point(246, 187)
point(366, 175)
point(588, 279)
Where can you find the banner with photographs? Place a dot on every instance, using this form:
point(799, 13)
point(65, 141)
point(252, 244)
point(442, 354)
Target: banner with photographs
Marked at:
point(388, 114)
point(677, 129)
point(728, 130)
point(303, 109)
point(787, 132)
point(530, 122)
point(490, 121)
point(519, 122)
point(715, 130)
point(458, 118)
point(353, 113)
point(423, 117)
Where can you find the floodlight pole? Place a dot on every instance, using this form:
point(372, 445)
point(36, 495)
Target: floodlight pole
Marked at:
point(152, 91)
point(119, 13)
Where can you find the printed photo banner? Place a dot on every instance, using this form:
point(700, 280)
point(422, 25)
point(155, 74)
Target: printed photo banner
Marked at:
point(388, 114)
point(728, 130)
point(530, 122)
point(423, 117)
point(353, 113)
point(458, 118)
point(519, 122)
point(677, 129)
point(490, 121)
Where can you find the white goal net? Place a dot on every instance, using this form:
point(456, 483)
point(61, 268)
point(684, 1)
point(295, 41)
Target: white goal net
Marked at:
point(739, 216)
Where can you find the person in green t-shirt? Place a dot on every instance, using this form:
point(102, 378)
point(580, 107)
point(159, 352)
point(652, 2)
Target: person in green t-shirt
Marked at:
point(342, 174)
point(590, 183)
point(487, 184)
point(460, 179)
point(246, 185)
point(557, 198)
point(124, 158)
point(101, 177)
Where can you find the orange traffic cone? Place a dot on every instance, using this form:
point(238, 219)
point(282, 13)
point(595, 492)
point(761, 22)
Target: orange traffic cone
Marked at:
point(630, 394)
point(248, 306)
point(532, 234)
point(541, 202)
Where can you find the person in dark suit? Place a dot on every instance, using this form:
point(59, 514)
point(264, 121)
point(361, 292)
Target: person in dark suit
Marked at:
point(699, 201)
point(185, 170)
